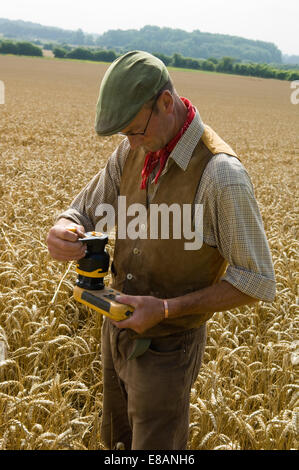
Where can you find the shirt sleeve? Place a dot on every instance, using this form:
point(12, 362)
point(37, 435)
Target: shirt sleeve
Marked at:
point(102, 189)
point(233, 223)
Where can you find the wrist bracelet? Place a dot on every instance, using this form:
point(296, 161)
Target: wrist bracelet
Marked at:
point(165, 308)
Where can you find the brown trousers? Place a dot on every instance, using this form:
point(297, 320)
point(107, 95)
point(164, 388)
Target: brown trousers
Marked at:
point(146, 399)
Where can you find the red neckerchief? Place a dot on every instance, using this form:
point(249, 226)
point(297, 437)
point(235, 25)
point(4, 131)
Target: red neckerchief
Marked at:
point(153, 158)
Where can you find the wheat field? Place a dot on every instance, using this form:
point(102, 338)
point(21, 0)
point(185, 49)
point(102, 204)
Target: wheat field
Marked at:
point(246, 395)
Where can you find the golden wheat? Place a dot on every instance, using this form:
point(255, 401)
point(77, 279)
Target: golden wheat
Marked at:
point(246, 395)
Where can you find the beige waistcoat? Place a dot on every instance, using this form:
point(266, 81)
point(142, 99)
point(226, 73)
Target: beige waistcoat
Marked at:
point(162, 267)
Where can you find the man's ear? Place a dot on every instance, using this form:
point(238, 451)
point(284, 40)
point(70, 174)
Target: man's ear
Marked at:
point(166, 102)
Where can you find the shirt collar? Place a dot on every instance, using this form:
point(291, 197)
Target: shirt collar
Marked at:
point(184, 149)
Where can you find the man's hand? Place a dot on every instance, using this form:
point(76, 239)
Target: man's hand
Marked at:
point(63, 244)
point(149, 311)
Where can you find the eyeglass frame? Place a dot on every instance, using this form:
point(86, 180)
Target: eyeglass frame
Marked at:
point(132, 134)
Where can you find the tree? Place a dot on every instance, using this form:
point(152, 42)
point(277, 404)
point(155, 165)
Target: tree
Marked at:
point(208, 65)
point(8, 47)
point(78, 37)
point(281, 74)
point(26, 48)
point(165, 58)
point(213, 59)
point(49, 46)
point(178, 60)
point(59, 52)
point(293, 75)
point(80, 53)
point(225, 65)
point(104, 56)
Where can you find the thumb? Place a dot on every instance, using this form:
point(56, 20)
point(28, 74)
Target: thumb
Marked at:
point(81, 230)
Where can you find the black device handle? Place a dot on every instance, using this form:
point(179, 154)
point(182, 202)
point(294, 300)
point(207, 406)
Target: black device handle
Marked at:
point(95, 264)
point(95, 243)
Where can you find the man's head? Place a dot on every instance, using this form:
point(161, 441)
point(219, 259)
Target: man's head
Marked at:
point(130, 82)
point(137, 99)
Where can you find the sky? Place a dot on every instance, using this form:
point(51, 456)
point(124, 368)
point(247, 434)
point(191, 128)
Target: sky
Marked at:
point(266, 20)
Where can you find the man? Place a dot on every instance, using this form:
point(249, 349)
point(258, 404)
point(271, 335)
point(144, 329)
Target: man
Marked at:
point(168, 156)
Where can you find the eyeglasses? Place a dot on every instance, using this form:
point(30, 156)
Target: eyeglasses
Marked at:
point(128, 134)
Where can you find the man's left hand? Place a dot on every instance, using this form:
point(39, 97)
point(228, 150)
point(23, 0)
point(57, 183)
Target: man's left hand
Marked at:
point(149, 311)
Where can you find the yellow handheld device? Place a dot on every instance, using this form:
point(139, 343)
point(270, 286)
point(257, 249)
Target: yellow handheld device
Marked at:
point(103, 302)
point(90, 289)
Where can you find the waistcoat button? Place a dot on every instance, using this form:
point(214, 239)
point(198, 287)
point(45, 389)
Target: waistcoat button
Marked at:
point(136, 251)
point(129, 276)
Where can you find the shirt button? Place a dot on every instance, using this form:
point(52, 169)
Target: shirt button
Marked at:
point(136, 251)
point(142, 226)
point(129, 276)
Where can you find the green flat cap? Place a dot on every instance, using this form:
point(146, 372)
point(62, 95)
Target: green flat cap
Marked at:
point(130, 81)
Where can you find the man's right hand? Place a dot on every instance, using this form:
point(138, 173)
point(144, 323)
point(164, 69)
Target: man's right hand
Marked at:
point(63, 244)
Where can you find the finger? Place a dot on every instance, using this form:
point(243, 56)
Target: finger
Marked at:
point(69, 234)
point(122, 323)
point(61, 233)
point(61, 249)
point(68, 247)
point(77, 229)
point(63, 257)
point(81, 232)
point(60, 257)
point(126, 299)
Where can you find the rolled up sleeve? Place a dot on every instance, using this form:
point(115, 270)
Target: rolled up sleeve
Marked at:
point(233, 223)
point(243, 243)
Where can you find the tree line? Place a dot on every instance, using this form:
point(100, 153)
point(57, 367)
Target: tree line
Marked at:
point(81, 53)
point(197, 44)
point(20, 48)
point(224, 65)
point(230, 65)
point(29, 31)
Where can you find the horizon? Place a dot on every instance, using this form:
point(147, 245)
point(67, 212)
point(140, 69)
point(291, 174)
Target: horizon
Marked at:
point(259, 20)
point(138, 29)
